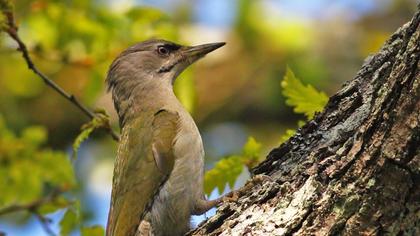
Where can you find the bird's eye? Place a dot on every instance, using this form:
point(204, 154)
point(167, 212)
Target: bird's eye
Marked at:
point(162, 51)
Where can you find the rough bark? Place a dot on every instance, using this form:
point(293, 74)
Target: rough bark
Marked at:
point(354, 169)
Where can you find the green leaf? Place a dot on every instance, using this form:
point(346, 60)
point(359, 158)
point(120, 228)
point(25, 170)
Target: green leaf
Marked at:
point(304, 99)
point(99, 121)
point(288, 134)
point(69, 222)
point(252, 147)
point(58, 203)
point(95, 230)
point(226, 171)
point(251, 152)
point(301, 123)
point(22, 155)
point(86, 131)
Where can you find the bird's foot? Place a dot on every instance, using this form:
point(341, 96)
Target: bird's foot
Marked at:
point(232, 196)
point(259, 179)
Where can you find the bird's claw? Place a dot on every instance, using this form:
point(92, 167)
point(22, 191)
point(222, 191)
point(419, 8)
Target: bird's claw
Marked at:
point(233, 196)
point(261, 178)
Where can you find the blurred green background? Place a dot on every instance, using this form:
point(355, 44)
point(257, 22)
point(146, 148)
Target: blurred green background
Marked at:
point(232, 94)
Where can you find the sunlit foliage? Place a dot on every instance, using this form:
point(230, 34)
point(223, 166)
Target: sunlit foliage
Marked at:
point(227, 170)
point(304, 99)
point(31, 172)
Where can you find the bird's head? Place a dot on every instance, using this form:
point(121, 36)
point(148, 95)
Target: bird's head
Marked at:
point(155, 61)
point(147, 70)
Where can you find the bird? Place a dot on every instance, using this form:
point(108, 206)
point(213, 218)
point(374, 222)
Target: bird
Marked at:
point(158, 172)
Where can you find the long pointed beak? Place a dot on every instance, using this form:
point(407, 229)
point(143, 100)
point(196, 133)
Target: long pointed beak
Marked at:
point(188, 55)
point(196, 52)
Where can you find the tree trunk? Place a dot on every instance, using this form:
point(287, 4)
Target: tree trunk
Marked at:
point(354, 169)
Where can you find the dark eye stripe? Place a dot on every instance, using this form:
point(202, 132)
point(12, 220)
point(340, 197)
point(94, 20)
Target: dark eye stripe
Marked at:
point(171, 47)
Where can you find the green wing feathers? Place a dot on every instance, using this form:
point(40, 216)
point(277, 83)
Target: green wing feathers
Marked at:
point(144, 161)
point(164, 132)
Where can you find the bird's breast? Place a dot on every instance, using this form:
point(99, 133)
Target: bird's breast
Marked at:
point(175, 202)
point(189, 154)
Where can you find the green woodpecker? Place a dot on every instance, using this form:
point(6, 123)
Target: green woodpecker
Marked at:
point(158, 174)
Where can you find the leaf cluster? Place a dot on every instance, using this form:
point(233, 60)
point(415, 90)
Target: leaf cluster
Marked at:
point(227, 170)
point(29, 170)
point(101, 120)
point(72, 221)
point(304, 99)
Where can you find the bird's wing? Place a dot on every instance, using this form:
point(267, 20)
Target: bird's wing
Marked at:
point(144, 161)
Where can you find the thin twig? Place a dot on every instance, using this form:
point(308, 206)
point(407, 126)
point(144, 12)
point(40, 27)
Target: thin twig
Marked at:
point(45, 223)
point(32, 206)
point(12, 31)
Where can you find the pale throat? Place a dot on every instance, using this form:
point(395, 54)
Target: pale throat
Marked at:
point(144, 94)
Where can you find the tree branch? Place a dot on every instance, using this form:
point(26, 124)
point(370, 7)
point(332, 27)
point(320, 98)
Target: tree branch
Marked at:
point(31, 206)
point(12, 31)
